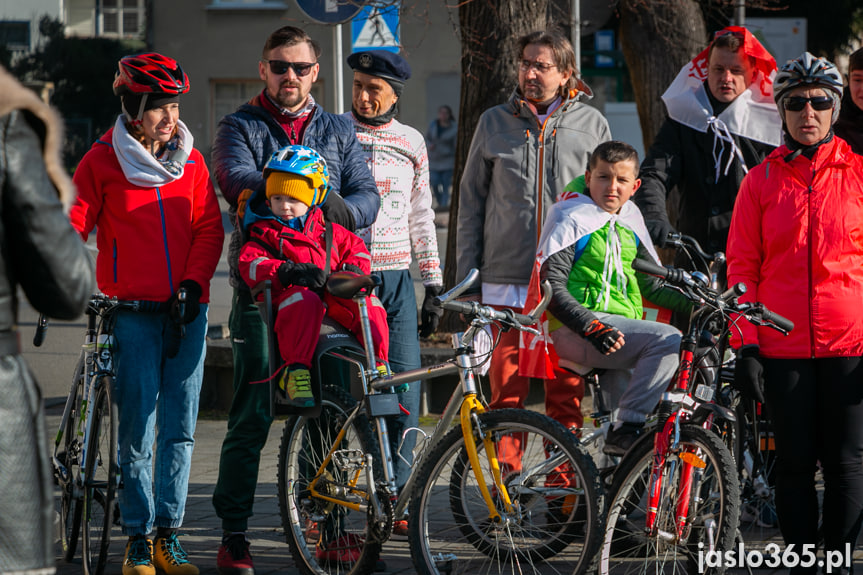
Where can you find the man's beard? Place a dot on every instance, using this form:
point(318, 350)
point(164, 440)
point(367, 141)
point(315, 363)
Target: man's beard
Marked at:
point(290, 101)
point(533, 92)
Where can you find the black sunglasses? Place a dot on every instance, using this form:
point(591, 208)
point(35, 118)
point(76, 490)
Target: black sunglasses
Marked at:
point(280, 67)
point(797, 103)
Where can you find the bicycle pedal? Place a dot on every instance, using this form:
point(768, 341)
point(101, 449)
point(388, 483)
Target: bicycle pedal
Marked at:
point(349, 459)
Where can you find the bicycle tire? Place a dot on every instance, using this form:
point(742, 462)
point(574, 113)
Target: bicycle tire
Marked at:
point(557, 518)
point(626, 548)
point(70, 499)
point(758, 517)
point(100, 480)
point(325, 538)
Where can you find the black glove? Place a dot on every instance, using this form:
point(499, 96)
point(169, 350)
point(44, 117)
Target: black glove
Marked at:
point(303, 275)
point(659, 230)
point(185, 312)
point(337, 211)
point(431, 313)
point(352, 268)
point(749, 373)
point(603, 337)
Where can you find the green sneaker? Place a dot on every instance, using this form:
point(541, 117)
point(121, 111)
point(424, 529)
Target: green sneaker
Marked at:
point(296, 385)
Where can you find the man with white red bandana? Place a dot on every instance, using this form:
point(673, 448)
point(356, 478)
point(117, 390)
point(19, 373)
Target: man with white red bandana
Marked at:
point(721, 122)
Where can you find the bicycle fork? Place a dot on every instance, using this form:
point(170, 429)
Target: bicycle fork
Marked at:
point(667, 455)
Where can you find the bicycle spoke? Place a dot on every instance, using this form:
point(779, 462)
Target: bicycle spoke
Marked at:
point(552, 485)
point(100, 481)
point(325, 537)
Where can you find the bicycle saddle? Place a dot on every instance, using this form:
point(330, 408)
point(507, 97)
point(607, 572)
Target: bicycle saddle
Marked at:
point(348, 285)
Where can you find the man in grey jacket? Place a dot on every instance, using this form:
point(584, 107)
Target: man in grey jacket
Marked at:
point(523, 154)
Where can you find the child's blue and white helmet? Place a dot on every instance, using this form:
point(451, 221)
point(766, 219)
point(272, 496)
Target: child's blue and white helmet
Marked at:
point(302, 162)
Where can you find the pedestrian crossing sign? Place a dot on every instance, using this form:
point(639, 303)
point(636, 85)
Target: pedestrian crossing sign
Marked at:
point(376, 28)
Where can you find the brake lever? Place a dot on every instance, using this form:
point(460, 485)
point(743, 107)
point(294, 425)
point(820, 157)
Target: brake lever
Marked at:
point(181, 297)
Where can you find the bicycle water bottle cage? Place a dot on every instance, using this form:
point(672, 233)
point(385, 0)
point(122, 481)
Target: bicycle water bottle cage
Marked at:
point(347, 285)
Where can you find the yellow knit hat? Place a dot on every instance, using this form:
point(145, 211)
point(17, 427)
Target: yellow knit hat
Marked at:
point(291, 185)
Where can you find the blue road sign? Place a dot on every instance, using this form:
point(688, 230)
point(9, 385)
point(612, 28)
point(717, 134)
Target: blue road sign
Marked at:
point(376, 29)
point(330, 11)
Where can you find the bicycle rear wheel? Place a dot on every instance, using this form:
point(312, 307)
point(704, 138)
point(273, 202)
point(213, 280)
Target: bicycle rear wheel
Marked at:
point(327, 538)
point(100, 480)
point(758, 519)
point(555, 491)
point(70, 458)
point(712, 516)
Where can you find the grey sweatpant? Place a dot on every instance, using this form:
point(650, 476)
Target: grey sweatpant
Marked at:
point(636, 374)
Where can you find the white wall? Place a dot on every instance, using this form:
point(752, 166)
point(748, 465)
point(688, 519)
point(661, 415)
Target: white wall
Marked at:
point(623, 120)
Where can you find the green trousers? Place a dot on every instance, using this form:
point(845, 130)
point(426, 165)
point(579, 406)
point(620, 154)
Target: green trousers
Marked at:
point(249, 419)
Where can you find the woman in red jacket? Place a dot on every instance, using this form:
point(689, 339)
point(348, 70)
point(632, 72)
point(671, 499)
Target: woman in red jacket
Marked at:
point(159, 228)
point(796, 241)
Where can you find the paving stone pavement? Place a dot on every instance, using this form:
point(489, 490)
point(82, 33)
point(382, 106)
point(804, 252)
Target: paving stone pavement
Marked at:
point(202, 532)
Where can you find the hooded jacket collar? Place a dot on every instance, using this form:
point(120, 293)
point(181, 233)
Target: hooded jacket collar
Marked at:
point(140, 167)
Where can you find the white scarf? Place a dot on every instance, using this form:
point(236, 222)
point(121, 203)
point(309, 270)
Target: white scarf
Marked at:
point(576, 216)
point(750, 115)
point(140, 167)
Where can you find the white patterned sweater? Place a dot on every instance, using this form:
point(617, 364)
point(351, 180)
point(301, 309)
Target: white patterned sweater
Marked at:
point(397, 157)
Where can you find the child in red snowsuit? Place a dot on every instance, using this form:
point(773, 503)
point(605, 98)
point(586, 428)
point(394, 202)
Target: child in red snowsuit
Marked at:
point(287, 246)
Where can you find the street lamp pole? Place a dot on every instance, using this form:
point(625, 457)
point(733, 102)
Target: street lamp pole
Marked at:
point(739, 12)
point(576, 32)
point(337, 69)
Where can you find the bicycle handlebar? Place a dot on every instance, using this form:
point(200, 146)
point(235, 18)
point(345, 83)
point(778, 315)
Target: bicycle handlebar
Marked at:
point(679, 240)
point(476, 309)
point(41, 330)
point(96, 304)
point(755, 312)
point(673, 275)
point(779, 321)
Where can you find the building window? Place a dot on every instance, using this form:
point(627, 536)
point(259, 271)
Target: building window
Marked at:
point(122, 18)
point(15, 35)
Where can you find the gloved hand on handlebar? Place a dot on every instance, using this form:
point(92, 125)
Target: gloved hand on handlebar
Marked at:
point(303, 275)
point(431, 313)
point(603, 337)
point(186, 312)
point(749, 373)
point(659, 230)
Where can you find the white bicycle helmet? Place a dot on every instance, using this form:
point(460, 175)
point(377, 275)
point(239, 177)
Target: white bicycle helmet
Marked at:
point(807, 70)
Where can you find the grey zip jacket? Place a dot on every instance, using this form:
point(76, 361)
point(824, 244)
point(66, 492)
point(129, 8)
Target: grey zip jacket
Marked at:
point(516, 169)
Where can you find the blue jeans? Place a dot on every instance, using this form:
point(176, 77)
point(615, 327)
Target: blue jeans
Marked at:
point(396, 293)
point(440, 182)
point(153, 392)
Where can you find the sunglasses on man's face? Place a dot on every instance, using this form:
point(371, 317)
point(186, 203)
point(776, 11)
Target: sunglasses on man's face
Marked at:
point(280, 67)
point(797, 103)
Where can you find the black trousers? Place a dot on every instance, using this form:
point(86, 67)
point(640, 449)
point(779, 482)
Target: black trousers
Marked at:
point(816, 406)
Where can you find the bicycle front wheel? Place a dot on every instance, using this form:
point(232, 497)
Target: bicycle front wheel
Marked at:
point(711, 520)
point(101, 473)
point(327, 538)
point(553, 523)
point(70, 458)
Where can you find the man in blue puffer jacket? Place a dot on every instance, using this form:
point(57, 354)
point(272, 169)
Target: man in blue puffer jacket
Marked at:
point(284, 113)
